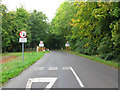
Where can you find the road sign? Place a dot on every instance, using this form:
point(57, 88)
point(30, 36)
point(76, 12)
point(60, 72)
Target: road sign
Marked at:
point(41, 42)
point(41, 45)
point(22, 34)
point(67, 44)
point(22, 40)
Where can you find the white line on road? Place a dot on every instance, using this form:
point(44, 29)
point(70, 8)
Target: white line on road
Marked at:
point(51, 81)
point(42, 68)
point(53, 68)
point(65, 68)
point(79, 81)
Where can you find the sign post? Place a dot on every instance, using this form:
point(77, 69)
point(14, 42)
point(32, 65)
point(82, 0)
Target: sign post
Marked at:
point(67, 46)
point(22, 51)
point(22, 40)
point(41, 45)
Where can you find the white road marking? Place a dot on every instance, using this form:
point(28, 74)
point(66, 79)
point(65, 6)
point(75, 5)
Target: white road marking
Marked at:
point(40, 68)
point(53, 68)
point(51, 81)
point(78, 79)
point(66, 68)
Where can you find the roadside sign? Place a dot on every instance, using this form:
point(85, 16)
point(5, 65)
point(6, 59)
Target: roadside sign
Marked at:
point(41, 42)
point(41, 45)
point(22, 40)
point(67, 44)
point(22, 34)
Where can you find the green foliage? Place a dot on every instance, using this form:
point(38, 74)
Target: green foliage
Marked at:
point(92, 28)
point(38, 27)
point(16, 66)
point(13, 22)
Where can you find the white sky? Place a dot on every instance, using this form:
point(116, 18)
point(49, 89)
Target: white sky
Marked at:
point(48, 7)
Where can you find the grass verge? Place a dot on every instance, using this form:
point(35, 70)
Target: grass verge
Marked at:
point(15, 66)
point(97, 59)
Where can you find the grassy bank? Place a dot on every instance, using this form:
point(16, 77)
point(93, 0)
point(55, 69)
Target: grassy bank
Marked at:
point(15, 66)
point(97, 59)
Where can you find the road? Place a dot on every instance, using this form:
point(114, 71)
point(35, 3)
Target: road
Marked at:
point(60, 69)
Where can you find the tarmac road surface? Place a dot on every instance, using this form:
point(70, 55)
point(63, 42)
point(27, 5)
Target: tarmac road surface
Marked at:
point(60, 69)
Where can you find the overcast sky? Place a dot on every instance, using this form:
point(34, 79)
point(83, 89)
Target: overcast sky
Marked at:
point(48, 7)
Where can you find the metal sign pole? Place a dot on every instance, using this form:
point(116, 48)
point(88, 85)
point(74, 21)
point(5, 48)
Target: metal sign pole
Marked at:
point(22, 51)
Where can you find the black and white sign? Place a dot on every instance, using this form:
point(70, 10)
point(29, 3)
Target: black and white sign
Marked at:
point(22, 40)
point(41, 44)
point(67, 44)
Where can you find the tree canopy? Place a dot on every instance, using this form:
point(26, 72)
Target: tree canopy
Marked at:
point(34, 23)
point(92, 28)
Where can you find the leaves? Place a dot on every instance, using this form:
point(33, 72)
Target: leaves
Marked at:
point(90, 27)
point(93, 27)
point(13, 22)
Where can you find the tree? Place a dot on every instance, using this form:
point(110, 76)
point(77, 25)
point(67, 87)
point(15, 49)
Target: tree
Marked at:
point(38, 27)
point(60, 24)
point(13, 23)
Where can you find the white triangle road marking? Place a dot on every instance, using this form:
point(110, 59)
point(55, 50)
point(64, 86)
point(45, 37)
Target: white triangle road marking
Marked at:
point(51, 81)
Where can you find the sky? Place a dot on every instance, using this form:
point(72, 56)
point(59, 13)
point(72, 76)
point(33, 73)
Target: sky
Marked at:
point(48, 7)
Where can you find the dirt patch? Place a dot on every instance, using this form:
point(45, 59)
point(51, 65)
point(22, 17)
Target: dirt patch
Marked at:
point(7, 58)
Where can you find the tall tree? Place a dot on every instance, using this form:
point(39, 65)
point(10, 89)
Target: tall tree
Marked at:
point(38, 27)
point(13, 23)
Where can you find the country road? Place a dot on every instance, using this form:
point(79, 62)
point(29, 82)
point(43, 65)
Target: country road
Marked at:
point(60, 69)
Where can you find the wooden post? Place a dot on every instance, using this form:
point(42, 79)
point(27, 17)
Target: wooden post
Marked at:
point(67, 48)
point(37, 49)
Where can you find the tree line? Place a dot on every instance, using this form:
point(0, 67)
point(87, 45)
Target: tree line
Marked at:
point(91, 28)
point(34, 23)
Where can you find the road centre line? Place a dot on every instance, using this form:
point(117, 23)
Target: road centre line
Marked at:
point(78, 79)
point(65, 68)
point(53, 68)
point(40, 68)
